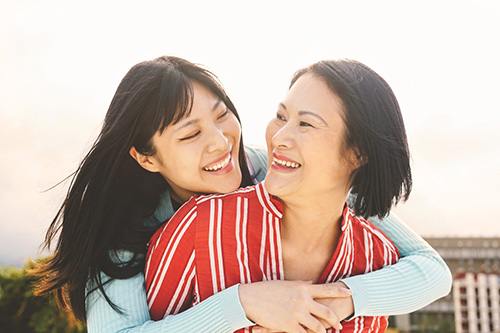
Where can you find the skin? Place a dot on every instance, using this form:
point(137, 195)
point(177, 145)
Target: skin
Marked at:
point(300, 305)
point(200, 155)
point(308, 130)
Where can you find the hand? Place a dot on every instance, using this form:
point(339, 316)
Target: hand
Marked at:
point(343, 307)
point(290, 306)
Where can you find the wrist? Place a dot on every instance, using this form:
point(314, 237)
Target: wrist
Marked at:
point(343, 307)
point(244, 294)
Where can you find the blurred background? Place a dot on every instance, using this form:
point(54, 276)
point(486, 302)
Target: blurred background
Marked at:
point(61, 61)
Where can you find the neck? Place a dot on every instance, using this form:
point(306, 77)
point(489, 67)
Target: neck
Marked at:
point(313, 223)
point(310, 232)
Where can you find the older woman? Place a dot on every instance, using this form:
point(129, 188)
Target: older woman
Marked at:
point(338, 129)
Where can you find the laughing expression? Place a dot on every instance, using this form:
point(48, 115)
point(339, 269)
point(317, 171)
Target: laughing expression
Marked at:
point(306, 151)
point(199, 154)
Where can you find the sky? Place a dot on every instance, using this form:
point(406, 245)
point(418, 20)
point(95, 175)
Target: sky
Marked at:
point(61, 61)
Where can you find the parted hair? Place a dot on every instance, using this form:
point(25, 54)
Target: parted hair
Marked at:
point(110, 194)
point(374, 131)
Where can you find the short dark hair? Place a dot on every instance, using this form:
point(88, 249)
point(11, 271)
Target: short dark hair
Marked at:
point(374, 130)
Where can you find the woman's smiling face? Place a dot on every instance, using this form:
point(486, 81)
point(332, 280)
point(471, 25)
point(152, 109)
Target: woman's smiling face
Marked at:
point(200, 153)
point(305, 142)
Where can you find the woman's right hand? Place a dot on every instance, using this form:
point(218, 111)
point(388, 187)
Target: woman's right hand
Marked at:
point(290, 306)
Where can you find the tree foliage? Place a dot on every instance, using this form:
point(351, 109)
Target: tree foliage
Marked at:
point(22, 311)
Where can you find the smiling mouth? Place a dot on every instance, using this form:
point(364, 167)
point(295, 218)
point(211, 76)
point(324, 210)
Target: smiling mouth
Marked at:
point(219, 166)
point(287, 164)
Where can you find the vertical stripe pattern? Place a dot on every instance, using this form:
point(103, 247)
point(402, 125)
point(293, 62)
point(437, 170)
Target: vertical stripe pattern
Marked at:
point(217, 241)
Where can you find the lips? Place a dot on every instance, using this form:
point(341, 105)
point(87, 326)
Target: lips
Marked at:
point(219, 164)
point(284, 162)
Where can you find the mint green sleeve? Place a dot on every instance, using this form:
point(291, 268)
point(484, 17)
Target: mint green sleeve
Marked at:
point(420, 277)
point(219, 313)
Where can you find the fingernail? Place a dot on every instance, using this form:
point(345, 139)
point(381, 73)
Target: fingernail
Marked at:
point(348, 291)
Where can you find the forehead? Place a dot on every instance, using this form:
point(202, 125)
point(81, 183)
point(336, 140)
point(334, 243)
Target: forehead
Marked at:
point(202, 94)
point(311, 93)
point(202, 101)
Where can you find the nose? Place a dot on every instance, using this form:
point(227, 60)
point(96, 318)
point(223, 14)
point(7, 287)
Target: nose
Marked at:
point(283, 138)
point(218, 139)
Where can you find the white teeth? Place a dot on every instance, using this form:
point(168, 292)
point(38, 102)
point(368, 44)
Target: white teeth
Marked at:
point(220, 165)
point(286, 163)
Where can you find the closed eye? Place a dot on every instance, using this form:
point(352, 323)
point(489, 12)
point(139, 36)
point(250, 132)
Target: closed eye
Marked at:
point(190, 136)
point(304, 124)
point(225, 113)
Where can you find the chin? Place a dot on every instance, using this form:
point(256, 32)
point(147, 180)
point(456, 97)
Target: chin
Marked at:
point(274, 188)
point(228, 188)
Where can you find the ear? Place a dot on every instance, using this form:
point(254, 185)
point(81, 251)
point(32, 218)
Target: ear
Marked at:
point(361, 159)
point(149, 163)
point(357, 159)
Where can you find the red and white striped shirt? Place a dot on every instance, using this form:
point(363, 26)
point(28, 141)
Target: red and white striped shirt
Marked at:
point(216, 241)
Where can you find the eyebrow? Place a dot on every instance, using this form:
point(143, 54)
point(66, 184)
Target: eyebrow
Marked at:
point(303, 112)
point(194, 121)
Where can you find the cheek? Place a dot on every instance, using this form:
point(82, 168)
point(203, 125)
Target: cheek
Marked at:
point(233, 126)
point(271, 130)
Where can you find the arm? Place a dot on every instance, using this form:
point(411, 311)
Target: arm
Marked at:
point(417, 279)
point(222, 312)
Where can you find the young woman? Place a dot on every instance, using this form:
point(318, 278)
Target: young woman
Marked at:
point(338, 128)
point(170, 132)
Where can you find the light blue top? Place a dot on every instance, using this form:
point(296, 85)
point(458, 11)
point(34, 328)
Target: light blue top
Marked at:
point(417, 279)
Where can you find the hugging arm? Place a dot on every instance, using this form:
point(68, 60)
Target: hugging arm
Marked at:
point(420, 277)
point(222, 311)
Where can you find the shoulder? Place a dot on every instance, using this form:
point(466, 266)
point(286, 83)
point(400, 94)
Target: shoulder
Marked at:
point(256, 152)
point(196, 208)
point(257, 158)
point(369, 231)
point(242, 192)
point(180, 222)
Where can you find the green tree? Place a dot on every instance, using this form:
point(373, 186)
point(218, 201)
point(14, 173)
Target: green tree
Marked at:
point(22, 311)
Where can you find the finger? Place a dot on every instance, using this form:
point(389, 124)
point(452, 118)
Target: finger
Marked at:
point(260, 329)
point(328, 290)
point(326, 315)
point(295, 329)
point(313, 324)
point(300, 329)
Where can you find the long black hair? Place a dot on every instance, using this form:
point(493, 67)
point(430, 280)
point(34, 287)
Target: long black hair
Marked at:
point(374, 130)
point(110, 194)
